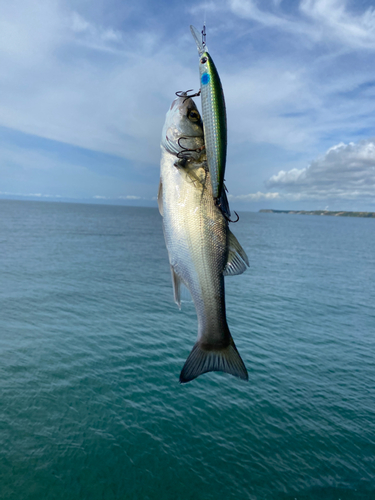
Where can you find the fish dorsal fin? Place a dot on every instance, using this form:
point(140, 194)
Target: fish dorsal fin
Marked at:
point(180, 292)
point(237, 258)
point(160, 198)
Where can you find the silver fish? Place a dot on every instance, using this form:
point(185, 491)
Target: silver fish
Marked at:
point(202, 249)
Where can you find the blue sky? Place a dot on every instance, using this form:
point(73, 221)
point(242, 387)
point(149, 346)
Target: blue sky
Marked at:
point(85, 86)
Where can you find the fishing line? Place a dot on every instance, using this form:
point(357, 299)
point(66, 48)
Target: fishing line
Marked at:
point(204, 27)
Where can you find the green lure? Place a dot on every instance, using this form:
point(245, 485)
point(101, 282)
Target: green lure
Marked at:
point(214, 117)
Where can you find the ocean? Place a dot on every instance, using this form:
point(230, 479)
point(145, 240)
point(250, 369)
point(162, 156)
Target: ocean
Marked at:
point(92, 345)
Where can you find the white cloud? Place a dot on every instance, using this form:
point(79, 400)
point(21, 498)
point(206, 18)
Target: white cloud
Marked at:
point(89, 84)
point(321, 20)
point(255, 197)
point(339, 23)
point(346, 171)
point(34, 195)
point(68, 79)
point(249, 9)
point(95, 36)
point(129, 197)
point(89, 76)
point(79, 24)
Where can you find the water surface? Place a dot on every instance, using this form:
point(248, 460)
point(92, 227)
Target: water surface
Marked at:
point(92, 345)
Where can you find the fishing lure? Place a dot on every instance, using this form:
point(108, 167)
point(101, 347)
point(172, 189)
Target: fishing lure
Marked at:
point(213, 115)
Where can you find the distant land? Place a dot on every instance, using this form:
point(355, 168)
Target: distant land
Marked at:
point(319, 212)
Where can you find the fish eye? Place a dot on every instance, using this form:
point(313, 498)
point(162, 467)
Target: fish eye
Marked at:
point(203, 60)
point(193, 115)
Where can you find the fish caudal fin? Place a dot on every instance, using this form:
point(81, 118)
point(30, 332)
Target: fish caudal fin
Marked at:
point(201, 361)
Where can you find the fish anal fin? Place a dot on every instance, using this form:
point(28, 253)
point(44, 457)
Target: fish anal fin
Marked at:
point(234, 266)
point(202, 360)
point(237, 258)
point(160, 198)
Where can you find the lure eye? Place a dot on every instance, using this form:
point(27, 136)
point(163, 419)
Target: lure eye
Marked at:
point(203, 60)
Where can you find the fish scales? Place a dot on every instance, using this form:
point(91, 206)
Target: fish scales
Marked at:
point(199, 243)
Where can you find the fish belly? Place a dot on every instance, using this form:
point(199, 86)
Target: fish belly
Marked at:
point(196, 234)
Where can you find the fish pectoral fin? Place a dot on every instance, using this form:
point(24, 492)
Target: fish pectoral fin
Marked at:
point(237, 258)
point(191, 173)
point(202, 361)
point(160, 198)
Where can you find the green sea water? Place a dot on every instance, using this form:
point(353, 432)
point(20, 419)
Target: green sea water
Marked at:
point(92, 345)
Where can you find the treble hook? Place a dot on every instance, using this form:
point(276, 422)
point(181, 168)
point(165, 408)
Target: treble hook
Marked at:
point(230, 220)
point(184, 150)
point(218, 204)
point(181, 93)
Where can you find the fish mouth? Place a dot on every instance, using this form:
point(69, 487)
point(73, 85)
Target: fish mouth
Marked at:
point(179, 94)
point(173, 104)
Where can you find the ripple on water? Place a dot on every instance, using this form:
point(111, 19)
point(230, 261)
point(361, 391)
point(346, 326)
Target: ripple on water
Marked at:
point(92, 347)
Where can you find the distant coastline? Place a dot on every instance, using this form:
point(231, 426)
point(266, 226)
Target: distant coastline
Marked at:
point(320, 212)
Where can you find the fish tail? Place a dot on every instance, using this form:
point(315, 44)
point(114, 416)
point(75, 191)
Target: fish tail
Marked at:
point(203, 360)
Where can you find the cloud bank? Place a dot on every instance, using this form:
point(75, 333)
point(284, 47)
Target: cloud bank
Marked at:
point(99, 77)
point(346, 171)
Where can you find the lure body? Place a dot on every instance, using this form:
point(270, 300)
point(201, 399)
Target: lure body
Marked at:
point(214, 117)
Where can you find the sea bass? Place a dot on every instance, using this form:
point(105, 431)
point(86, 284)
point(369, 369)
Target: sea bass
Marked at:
point(202, 249)
point(214, 116)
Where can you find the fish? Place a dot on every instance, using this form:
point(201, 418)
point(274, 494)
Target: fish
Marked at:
point(214, 116)
point(201, 248)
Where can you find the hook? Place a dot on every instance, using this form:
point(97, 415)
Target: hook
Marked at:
point(184, 150)
point(230, 220)
point(218, 204)
point(181, 93)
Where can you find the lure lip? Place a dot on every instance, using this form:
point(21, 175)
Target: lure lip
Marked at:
point(196, 35)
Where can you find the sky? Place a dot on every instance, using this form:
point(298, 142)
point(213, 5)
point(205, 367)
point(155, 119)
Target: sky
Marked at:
point(85, 86)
